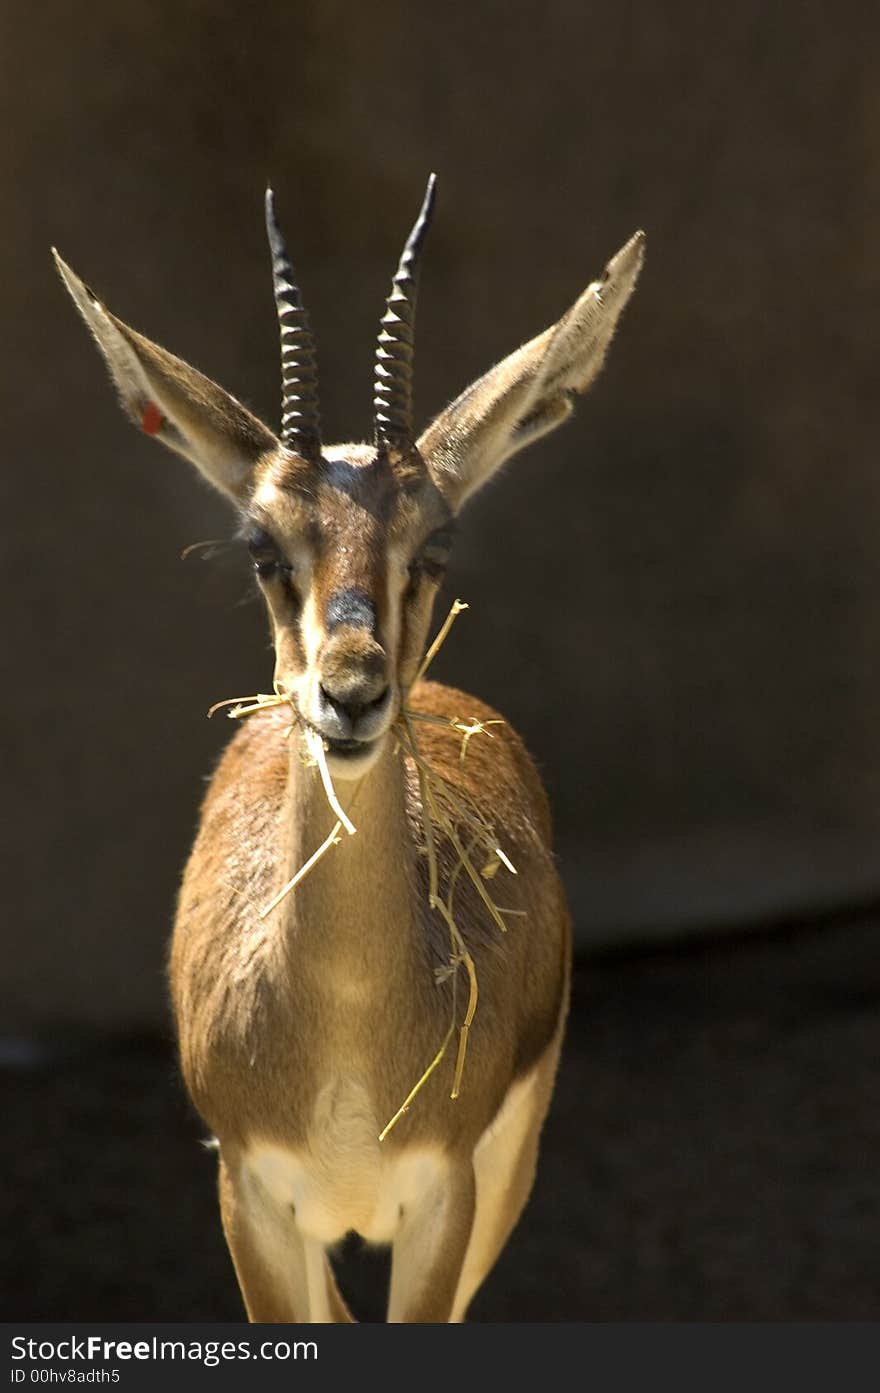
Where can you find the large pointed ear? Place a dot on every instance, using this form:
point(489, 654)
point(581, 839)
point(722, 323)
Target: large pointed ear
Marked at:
point(526, 395)
point(171, 401)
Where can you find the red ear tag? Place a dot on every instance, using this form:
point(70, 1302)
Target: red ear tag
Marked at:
point(152, 419)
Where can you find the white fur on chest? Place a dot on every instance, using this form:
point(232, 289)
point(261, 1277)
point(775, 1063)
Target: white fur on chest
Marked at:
point(343, 1178)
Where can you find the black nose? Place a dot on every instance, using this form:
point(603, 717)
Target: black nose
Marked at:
point(354, 681)
point(354, 703)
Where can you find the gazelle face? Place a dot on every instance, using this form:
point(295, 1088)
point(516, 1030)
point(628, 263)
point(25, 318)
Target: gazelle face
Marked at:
point(349, 552)
point(350, 543)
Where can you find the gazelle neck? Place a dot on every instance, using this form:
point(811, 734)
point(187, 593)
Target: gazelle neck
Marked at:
point(352, 914)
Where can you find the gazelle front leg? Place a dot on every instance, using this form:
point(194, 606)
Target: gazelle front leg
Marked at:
point(429, 1250)
point(283, 1276)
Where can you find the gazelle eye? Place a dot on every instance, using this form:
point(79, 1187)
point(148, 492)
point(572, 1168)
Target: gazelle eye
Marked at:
point(266, 555)
point(264, 552)
point(434, 555)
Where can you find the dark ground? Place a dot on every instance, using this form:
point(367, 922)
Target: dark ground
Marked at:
point(713, 1154)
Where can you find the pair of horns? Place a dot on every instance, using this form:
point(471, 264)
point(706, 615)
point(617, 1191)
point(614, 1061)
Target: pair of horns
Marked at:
point(395, 348)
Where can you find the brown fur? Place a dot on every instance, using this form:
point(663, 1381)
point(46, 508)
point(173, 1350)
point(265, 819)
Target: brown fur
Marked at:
point(243, 996)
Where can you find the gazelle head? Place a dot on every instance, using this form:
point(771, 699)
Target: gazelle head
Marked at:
point(350, 542)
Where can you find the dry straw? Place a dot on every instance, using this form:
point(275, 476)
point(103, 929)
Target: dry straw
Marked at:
point(454, 816)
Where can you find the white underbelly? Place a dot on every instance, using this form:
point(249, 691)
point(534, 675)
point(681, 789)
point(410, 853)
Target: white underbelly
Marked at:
point(343, 1179)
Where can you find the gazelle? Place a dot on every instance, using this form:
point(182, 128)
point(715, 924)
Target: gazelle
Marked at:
point(302, 1030)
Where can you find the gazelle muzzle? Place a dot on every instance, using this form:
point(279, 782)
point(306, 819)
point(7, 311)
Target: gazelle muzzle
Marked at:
point(351, 699)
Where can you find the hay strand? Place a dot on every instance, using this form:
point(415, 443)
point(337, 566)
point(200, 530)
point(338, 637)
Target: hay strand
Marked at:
point(333, 839)
point(434, 790)
point(246, 706)
point(460, 955)
point(407, 1102)
point(317, 749)
point(457, 607)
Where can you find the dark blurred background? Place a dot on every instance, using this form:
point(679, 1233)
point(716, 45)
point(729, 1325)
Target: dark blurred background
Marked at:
point(673, 598)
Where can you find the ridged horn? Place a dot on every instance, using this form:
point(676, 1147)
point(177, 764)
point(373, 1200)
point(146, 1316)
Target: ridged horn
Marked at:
point(392, 390)
point(300, 417)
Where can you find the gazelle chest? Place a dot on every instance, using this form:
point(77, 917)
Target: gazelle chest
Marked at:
point(341, 1178)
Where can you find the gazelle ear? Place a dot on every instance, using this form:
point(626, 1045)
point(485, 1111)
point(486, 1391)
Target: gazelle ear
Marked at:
point(526, 395)
point(171, 401)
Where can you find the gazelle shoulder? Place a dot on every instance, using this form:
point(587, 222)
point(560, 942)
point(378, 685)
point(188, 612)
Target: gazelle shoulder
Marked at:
point(253, 768)
point(491, 765)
